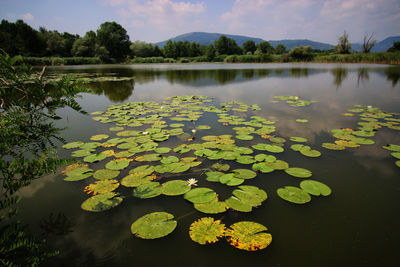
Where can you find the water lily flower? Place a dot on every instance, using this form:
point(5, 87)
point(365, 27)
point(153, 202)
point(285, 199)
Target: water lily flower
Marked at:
point(145, 133)
point(369, 107)
point(194, 131)
point(192, 182)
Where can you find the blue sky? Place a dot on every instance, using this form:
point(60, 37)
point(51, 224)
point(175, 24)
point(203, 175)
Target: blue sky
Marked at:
point(157, 20)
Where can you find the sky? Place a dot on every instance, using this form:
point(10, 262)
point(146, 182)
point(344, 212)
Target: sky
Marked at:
point(158, 20)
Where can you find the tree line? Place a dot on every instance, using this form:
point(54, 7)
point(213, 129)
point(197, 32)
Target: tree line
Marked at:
point(111, 43)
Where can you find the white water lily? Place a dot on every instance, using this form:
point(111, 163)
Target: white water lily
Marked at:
point(369, 107)
point(192, 182)
point(194, 131)
point(145, 133)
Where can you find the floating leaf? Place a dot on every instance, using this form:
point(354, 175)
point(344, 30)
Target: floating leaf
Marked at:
point(78, 174)
point(363, 141)
point(333, 146)
point(396, 155)
point(221, 167)
point(175, 187)
point(392, 147)
point(101, 202)
point(248, 236)
point(278, 165)
point(101, 187)
point(117, 165)
point(206, 230)
point(294, 194)
point(212, 207)
point(298, 172)
point(315, 188)
point(94, 157)
point(81, 153)
point(162, 150)
point(262, 167)
point(236, 204)
point(308, 152)
point(298, 139)
point(200, 195)
point(245, 159)
point(230, 179)
point(148, 157)
point(203, 127)
point(116, 129)
point(99, 137)
point(244, 137)
point(302, 120)
point(277, 140)
point(147, 190)
point(73, 145)
point(244, 173)
point(105, 174)
point(154, 225)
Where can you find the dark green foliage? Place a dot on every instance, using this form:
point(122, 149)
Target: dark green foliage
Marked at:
point(249, 47)
point(27, 143)
point(210, 52)
point(143, 49)
point(344, 45)
point(113, 37)
point(280, 49)
point(265, 48)
point(248, 58)
point(85, 46)
point(395, 47)
point(301, 53)
point(227, 46)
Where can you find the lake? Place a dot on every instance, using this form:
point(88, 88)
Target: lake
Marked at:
point(357, 225)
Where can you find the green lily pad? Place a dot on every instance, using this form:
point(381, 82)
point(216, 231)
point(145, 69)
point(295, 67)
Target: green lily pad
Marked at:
point(99, 137)
point(298, 172)
point(175, 187)
point(162, 150)
point(302, 120)
point(278, 165)
point(117, 165)
point(297, 147)
point(105, 174)
point(90, 145)
point(116, 129)
point(236, 204)
point(136, 179)
point(244, 173)
point(73, 145)
point(315, 188)
point(148, 157)
point(203, 127)
point(169, 159)
point(212, 207)
point(298, 139)
point(392, 147)
point(147, 190)
point(308, 152)
point(397, 163)
point(396, 155)
point(213, 176)
point(177, 125)
point(206, 230)
point(363, 141)
point(94, 157)
point(230, 179)
point(221, 167)
point(332, 146)
point(262, 167)
point(101, 187)
point(245, 137)
point(245, 159)
point(101, 202)
point(294, 194)
point(78, 174)
point(154, 225)
point(278, 140)
point(248, 236)
point(200, 195)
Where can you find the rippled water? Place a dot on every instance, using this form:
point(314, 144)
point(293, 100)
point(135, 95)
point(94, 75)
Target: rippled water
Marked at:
point(356, 226)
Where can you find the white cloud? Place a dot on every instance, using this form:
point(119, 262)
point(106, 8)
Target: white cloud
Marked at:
point(164, 17)
point(313, 19)
point(27, 17)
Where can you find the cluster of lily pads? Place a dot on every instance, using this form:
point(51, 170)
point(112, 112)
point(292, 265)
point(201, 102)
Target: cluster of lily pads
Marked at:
point(157, 142)
point(372, 119)
point(293, 101)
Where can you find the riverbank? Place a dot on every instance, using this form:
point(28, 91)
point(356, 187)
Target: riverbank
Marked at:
point(374, 58)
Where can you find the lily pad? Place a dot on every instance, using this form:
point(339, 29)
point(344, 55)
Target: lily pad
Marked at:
point(95, 157)
point(203, 127)
point(332, 146)
point(315, 188)
point(101, 202)
point(212, 207)
point(244, 173)
point(298, 139)
point(105, 174)
point(200, 195)
point(294, 194)
point(308, 152)
point(262, 167)
point(396, 155)
point(206, 230)
point(117, 165)
point(162, 150)
point(245, 137)
point(175, 188)
point(101, 187)
point(154, 225)
point(245, 159)
point(99, 137)
point(248, 236)
point(147, 190)
point(78, 174)
point(221, 167)
point(278, 165)
point(302, 120)
point(148, 157)
point(298, 172)
point(392, 147)
point(81, 153)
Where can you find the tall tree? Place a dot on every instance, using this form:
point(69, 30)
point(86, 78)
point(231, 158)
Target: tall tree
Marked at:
point(249, 47)
point(113, 37)
point(227, 46)
point(344, 45)
point(265, 48)
point(170, 49)
point(280, 49)
point(368, 42)
point(85, 46)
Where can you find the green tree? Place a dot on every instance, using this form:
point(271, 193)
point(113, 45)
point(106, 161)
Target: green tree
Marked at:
point(249, 47)
point(194, 49)
point(210, 52)
point(113, 37)
point(395, 47)
point(85, 46)
point(280, 49)
point(344, 45)
point(27, 143)
point(142, 49)
point(265, 48)
point(227, 46)
point(300, 53)
point(368, 42)
point(170, 50)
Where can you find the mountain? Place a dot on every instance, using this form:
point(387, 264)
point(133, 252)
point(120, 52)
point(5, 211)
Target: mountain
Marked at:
point(206, 38)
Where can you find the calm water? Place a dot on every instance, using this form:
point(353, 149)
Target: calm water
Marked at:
point(356, 226)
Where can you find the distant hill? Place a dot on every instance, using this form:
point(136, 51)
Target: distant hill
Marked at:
point(206, 38)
